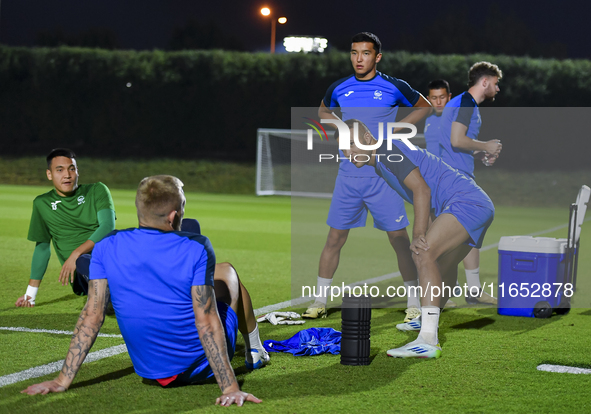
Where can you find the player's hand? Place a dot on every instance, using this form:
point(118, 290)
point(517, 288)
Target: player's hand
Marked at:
point(237, 397)
point(493, 147)
point(68, 270)
point(419, 244)
point(479, 155)
point(491, 159)
point(44, 388)
point(23, 302)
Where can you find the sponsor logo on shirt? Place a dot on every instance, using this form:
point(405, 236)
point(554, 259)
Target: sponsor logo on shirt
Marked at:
point(80, 200)
point(349, 93)
point(54, 204)
point(377, 95)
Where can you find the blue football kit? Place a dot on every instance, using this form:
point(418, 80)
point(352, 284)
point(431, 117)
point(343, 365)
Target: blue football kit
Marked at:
point(463, 109)
point(451, 191)
point(150, 274)
point(432, 133)
point(371, 101)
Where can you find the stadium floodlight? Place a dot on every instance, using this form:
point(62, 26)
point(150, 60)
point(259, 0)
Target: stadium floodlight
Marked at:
point(265, 11)
point(305, 44)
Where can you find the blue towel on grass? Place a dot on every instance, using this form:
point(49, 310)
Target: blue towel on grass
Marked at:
point(311, 341)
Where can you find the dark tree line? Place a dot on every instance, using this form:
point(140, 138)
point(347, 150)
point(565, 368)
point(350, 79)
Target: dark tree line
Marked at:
point(95, 37)
point(192, 36)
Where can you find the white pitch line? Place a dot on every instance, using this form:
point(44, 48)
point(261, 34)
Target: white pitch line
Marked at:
point(537, 233)
point(300, 300)
point(280, 305)
point(562, 369)
point(51, 331)
point(57, 366)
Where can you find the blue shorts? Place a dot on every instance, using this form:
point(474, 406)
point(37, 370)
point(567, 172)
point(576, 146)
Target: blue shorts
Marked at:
point(200, 370)
point(474, 218)
point(353, 196)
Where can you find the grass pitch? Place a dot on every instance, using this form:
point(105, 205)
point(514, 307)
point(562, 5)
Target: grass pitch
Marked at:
point(488, 365)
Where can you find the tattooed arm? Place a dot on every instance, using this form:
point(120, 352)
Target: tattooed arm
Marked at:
point(213, 340)
point(87, 328)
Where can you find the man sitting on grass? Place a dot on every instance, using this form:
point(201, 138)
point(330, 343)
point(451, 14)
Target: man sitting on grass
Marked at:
point(74, 216)
point(462, 213)
point(178, 318)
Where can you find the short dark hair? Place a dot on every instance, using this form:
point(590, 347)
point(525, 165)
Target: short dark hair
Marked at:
point(480, 69)
point(370, 38)
point(59, 152)
point(438, 84)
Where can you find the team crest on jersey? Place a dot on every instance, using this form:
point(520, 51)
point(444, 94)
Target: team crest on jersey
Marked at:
point(377, 95)
point(54, 205)
point(80, 200)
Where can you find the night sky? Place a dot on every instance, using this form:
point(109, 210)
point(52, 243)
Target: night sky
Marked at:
point(148, 24)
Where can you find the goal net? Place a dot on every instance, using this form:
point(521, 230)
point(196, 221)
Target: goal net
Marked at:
point(285, 165)
point(288, 165)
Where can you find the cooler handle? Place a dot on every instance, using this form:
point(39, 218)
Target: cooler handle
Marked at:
point(524, 265)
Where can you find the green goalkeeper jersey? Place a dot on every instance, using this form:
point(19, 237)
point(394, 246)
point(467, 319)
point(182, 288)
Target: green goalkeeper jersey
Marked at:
point(68, 221)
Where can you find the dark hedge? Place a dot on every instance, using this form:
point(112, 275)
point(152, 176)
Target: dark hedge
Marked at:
point(208, 104)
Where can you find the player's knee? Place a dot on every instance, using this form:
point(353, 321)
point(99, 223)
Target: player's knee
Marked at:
point(336, 240)
point(424, 258)
point(226, 282)
point(225, 271)
point(224, 266)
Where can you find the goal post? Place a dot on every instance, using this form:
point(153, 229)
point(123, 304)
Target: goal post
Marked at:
point(273, 172)
point(285, 165)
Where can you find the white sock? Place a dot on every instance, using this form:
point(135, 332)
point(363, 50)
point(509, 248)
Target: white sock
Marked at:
point(430, 324)
point(322, 286)
point(473, 278)
point(253, 341)
point(412, 295)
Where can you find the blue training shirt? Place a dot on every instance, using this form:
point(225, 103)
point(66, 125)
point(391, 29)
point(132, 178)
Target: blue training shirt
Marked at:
point(150, 273)
point(432, 134)
point(463, 109)
point(371, 101)
point(444, 181)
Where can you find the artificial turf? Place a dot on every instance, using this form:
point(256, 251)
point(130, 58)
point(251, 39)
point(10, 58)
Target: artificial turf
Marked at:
point(488, 364)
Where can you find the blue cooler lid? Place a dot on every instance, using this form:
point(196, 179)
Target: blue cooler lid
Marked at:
point(531, 244)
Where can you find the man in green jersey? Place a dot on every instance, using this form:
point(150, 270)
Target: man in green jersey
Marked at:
point(74, 216)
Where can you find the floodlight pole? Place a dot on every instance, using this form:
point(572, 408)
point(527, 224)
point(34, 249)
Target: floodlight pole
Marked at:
point(273, 30)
